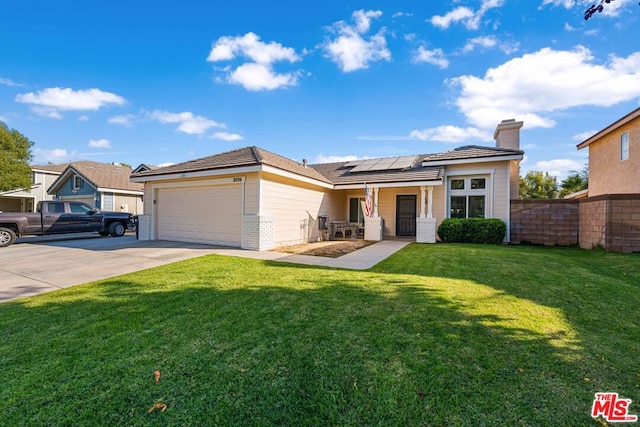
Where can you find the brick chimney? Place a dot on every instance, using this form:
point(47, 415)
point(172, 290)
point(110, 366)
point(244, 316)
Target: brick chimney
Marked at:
point(507, 134)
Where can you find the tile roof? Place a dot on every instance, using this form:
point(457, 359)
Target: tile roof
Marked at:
point(248, 156)
point(100, 175)
point(340, 174)
point(471, 152)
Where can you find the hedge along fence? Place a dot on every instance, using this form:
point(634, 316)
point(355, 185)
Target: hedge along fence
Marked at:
point(490, 231)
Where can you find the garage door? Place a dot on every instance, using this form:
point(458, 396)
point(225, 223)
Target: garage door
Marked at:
point(211, 214)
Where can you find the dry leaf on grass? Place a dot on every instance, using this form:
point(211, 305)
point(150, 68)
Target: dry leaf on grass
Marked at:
point(161, 406)
point(156, 375)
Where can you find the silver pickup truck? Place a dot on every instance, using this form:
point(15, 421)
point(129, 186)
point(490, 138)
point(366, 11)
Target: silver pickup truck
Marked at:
point(58, 217)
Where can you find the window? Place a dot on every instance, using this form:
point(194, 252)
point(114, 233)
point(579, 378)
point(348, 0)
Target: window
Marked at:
point(57, 207)
point(77, 182)
point(355, 210)
point(467, 197)
point(80, 208)
point(624, 146)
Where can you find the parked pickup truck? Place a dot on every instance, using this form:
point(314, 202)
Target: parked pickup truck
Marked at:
point(57, 217)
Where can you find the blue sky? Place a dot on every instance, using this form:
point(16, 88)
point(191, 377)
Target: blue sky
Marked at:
point(164, 82)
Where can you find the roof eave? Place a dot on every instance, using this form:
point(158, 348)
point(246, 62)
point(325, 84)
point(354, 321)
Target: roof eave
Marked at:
point(472, 160)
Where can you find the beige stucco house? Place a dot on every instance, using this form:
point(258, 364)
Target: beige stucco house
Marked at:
point(255, 199)
point(614, 157)
point(26, 200)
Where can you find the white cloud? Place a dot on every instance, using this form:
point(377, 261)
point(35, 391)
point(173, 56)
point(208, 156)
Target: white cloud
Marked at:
point(51, 101)
point(488, 42)
point(225, 136)
point(258, 73)
point(584, 135)
point(124, 120)
point(187, 121)
point(458, 14)
point(320, 158)
point(533, 86)
point(451, 134)
point(350, 49)
point(257, 76)
point(435, 57)
point(57, 155)
point(8, 82)
point(99, 143)
point(162, 165)
point(83, 118)
point(469, 18)
point(560, 168)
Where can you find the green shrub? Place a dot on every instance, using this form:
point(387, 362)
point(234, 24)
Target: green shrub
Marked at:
point(490, 231)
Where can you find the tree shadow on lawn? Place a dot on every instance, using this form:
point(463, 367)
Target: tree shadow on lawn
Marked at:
point(291, 345)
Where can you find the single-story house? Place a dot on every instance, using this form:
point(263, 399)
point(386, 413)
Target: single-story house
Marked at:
point(255, 199)
point(26, 200)
point(614, 157)
point(103, 185)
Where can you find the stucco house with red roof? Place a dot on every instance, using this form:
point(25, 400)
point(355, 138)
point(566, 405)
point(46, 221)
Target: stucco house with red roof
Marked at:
point(255, 199)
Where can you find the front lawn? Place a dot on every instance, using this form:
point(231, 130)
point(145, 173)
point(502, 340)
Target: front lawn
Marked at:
point(441, 335)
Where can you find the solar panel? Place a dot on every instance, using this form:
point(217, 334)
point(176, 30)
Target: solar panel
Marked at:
point(383, 164)
point(353, 163)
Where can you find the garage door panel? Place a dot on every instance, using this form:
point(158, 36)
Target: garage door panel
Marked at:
point(211, 214)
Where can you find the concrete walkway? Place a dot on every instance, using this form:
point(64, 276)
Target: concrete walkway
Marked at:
point(361, 259)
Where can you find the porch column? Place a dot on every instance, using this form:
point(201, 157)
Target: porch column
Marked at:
point(422, 201)
point(373, 225)
point(376, 190)
point(426, 225)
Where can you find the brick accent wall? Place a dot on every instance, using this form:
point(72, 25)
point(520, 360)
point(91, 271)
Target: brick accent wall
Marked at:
point(611, 221)
point(544, 222)
point(258, 232)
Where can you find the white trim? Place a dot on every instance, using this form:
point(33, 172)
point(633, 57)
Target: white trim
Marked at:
point(472, 160)
point(386, 185)
point(470, 172)
point(117, 191)
point(232, 171)
point(488, 191)
point(203, 183)
point(199, 174)
point(292, 175)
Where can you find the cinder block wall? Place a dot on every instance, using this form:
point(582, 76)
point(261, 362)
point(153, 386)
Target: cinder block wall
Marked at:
point(544, 222)
point(611, 221)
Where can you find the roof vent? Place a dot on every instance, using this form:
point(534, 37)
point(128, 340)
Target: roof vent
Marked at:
point(304, 162)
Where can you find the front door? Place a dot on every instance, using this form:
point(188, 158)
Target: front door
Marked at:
point(405, 215)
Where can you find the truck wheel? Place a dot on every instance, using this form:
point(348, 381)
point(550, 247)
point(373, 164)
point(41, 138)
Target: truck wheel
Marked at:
point(117, 229)
point(7, 237)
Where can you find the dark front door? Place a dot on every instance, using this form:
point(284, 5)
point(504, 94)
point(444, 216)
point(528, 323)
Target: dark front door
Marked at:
point(405, 215)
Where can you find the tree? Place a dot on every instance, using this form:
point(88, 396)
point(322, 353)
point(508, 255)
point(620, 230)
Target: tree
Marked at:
point(536, 185)
point(15, 155)
point(596, 9)
point(576, 181)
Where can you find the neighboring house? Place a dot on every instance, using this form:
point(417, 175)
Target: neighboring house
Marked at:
point(21, 200)
point(144, 168)
point(103, 185)
point(614, 157)
point(254, 199)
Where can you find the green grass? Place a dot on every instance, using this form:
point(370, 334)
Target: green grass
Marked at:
point(441, 335)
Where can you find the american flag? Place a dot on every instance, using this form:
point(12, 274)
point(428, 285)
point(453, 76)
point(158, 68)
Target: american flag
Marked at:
point(368, 203)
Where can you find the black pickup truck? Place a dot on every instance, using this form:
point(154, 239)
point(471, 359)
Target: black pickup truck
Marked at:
point(58, 217)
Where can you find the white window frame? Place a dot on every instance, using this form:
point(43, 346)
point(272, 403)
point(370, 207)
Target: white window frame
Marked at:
point(487, 192)
point(624, 146)
point(77, 181)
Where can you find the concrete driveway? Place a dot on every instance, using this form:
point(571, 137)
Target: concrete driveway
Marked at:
point(34, 265)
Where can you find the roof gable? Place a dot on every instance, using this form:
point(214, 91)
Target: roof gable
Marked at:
point(98, 175)
point(613, 126)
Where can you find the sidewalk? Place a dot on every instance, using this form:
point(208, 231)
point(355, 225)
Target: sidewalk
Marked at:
point(361, 259)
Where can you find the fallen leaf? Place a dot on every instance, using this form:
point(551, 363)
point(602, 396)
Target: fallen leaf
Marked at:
point(421, 393)
point(160, 406)
point(156, 375)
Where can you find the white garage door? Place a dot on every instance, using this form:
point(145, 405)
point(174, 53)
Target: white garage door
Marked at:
point(211, 215)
